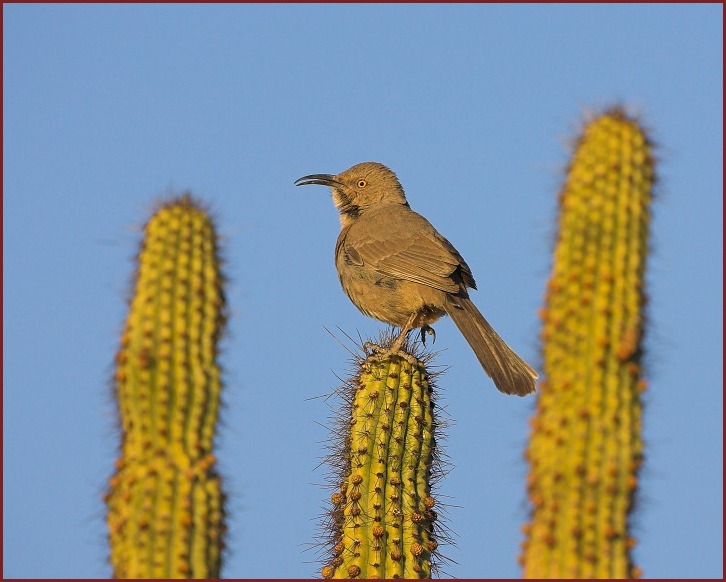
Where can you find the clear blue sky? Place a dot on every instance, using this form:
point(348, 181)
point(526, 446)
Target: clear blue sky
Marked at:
point(106, 107)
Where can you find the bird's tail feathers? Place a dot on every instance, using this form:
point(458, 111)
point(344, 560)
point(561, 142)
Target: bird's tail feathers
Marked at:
point(510, 373)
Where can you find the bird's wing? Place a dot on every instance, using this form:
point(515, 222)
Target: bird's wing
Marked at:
point(406, 246)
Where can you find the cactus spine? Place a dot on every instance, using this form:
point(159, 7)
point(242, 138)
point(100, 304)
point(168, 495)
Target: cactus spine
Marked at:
point(383, 518)
point(165, 505)
point(586, 447)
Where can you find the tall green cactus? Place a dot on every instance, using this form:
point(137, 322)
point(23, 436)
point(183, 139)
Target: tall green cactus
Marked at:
point(586, 445)
point(382, 523)
point(165, 505)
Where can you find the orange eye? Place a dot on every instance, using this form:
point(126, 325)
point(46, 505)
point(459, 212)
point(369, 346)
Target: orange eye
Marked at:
point(362, 184)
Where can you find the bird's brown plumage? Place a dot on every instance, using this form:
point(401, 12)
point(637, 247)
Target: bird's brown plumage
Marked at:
point(396, 267)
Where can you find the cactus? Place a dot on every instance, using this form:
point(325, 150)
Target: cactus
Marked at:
point(165, 505)
point(383, 523)
point(586, 446)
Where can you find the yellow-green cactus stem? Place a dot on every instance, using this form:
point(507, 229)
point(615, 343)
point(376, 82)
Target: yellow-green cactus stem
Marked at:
point(586, 444)
point(165, 504)
point(383, 520)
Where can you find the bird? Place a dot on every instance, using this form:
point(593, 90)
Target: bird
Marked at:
point(396, 267)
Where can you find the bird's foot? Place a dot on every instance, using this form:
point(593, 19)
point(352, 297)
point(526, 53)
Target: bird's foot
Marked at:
point(369, 348)
point(427, 329)
point(387, 353)
point(377, 353)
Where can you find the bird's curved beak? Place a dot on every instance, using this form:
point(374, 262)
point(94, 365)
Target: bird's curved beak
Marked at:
point(321, 179)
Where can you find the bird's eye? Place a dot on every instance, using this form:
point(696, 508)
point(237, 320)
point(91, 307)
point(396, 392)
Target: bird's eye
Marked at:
point(362, 183)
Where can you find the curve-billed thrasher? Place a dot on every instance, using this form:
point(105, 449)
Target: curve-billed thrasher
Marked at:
point(397, 268)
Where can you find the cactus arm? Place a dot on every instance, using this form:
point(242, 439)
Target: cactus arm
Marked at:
point(586, 445)
point(383, 518)
point(165, 503)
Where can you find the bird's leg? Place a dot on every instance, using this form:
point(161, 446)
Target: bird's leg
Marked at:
point(427, 329)
point(379, 353)
point(396, 345)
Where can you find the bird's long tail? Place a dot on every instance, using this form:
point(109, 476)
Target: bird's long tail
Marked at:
point(511, 374)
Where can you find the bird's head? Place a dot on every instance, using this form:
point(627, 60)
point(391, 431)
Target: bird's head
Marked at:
point(359, 188)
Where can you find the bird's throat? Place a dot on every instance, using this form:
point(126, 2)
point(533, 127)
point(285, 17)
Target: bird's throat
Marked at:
point(348, 210)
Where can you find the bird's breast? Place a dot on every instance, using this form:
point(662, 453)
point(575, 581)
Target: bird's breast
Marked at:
point(386, 298)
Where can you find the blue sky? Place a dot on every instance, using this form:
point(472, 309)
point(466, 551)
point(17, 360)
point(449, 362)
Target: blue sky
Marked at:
point(108, 107)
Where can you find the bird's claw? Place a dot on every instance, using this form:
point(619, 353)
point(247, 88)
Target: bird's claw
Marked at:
point(427, 329)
